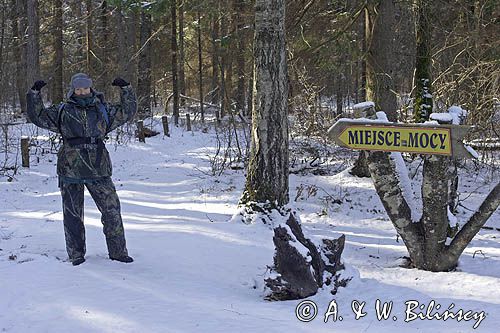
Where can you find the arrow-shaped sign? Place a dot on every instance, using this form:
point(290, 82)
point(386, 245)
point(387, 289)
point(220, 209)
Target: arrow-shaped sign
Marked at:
point(409, 138)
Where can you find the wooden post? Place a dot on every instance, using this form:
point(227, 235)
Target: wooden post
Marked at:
point(164, 120)
point(140, 131)
point(25, 151)
point(188, 121)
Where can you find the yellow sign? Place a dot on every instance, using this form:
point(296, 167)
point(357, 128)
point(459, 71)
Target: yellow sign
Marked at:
point(403, 139)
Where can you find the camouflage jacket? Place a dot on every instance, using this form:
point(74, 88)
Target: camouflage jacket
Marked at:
point(71, 120)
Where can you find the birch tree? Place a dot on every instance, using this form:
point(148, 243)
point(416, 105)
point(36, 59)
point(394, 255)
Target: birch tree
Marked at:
point(266, 189)
point(267, 174)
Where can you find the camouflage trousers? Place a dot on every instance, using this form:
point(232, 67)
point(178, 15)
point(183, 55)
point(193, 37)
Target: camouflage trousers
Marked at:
point(104, 194)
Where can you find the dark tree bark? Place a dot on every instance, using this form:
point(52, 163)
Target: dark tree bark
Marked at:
point(422, 81)
point(121, 42)
point(144, 77)
point(240, 56)
point(182, 57)
point(174, 51)
point(106, 50)
point(200, 67)
point(90, 51)
point(2, 40)
point(215, 96)
point(57, 64)
point(76, 10)
point(300, 277)
point(132, 23)
point(267, 174)
point(18, 19)
point(33, 45)
point(380, 62)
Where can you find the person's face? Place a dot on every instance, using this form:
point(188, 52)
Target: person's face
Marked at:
point(82, 91)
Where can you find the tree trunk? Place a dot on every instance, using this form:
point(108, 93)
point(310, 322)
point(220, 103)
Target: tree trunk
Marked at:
point(175, 81)
point(200, 67)
point(18, 29)
point(57, 65)
point(425, 239)
point(422, 107)
point(33, 45)
point(2, 40)
point(90, 52)
point(380, 36)
point(388, 187)
point(182, 58)
point(240, 56)
point(106, 66)
point(362, 61)
point(379, 39)
point(76, 10)
point(132, 28)
point(144, 77)
point(435, 208)
point(267, 174)
point(215, 96)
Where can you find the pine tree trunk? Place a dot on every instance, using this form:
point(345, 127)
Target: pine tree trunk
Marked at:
point(106, 66)
point(2, 40)
point(422, 107)
point(33, 45)
point(380, 36)
point(182, 58)
point(362, 61)
point(133, 25)
point(200, 68)
point(18, 28)
point(122, 46)
point(144, 77)
point(76, 8)
point(215, 96)
point(267, 174)
point(57, 65)
point(175, 79)
point(240, 56)
point(89, 52)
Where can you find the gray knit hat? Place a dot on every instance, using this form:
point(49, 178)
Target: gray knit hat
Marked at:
point(81, 80)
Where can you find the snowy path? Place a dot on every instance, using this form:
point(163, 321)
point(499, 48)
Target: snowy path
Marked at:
point(197, 272)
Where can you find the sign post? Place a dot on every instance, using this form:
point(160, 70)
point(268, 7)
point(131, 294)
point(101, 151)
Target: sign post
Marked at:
point(409, 138)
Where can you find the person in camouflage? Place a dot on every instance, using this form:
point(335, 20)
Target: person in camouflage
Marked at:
point(83, 121)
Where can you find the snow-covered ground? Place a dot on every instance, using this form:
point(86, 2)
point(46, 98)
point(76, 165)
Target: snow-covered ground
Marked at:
point(195, 271)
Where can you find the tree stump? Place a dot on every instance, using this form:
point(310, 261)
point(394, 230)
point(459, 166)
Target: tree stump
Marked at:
point(25, 151)
point(188, 122)
point(164, 121)
point(299, 277)
point(140, 131)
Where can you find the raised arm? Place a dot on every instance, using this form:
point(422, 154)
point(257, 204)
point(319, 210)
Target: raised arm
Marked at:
point(121, 113)
point(37, 113)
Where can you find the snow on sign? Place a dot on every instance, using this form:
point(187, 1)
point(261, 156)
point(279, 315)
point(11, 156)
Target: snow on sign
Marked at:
point(376, 135)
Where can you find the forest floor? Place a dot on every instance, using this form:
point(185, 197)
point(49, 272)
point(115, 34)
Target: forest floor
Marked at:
point(198, 270)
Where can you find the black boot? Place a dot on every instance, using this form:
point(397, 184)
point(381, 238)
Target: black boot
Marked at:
point(78, 261)
point(123, 258)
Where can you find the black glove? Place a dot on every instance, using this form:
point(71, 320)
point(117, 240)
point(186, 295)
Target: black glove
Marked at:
point(38, 85)
point(119, 82)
